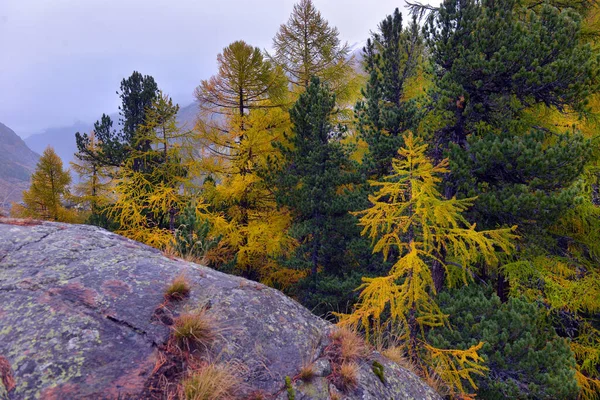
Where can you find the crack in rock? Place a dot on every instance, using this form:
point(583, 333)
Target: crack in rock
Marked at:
point(131, 327)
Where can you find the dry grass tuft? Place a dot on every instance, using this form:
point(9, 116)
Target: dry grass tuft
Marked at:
point(398, 355)
point(348, 376)
point(178, 289)
point(334, 395)
point(437, 384)
point(257, 395)
point(212, 382)
point(351, 346)
point(307, 373)
point(196, 330)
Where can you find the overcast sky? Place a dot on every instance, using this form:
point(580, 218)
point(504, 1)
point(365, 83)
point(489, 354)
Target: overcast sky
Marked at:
point(63, 60)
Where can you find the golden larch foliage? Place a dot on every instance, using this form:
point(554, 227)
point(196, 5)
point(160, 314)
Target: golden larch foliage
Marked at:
point(410, 219)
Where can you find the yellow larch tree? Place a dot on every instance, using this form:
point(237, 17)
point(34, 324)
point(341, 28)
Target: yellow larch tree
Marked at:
point(253, 230)
point(48, 191)
point(411, 219)
point(242, 112)
point(149, 196)
point(307, 46)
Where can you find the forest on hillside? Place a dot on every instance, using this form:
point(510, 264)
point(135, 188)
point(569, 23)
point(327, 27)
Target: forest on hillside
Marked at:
point(438, 193)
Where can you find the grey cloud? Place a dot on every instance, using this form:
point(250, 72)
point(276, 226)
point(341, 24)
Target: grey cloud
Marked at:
point(62, 60)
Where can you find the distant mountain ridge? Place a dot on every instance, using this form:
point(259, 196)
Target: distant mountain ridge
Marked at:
point(63, 138)
point(17, 162)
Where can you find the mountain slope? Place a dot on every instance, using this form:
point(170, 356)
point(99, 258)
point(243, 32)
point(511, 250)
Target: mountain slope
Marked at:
point(63, 138)
point(17, 162)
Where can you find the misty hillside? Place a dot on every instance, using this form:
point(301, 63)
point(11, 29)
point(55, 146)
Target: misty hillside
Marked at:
point(17, 162)
point(63, 138)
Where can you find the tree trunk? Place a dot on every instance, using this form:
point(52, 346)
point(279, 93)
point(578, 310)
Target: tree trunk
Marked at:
point(502, 288)
point(412, 336)
point(438, 272)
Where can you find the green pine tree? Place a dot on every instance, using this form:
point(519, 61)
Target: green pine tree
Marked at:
point(317, 182)
point(391, 58)
point(138, 93)
point(525, 357)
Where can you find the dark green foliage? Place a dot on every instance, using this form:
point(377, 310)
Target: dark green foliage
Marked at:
point(191, 238)
point(390, 58)
point(138, 92)
point(111, 151)
point(331, 292)
point(525, 357)
point(493, 58)
point(335, 290)
point(493, 62)
point(99, 217)
point(312, 182)
point(522, 179)
point(321, 185)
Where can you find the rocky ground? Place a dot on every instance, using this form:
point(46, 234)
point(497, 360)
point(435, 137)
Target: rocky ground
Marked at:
point(83, 316)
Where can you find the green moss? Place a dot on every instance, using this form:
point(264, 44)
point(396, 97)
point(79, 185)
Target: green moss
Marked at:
point(378, 371)
point(290, 390)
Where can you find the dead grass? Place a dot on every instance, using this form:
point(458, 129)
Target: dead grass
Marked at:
point(307, 372)
point(172, 253)
point(437, 384)
point(211, 382)
point(333, 395)
point(178, 289)
point(257, 395)
point(351, 346)
point(195, 330)
point(398, 355)
point(346, 349)
point(348, 376)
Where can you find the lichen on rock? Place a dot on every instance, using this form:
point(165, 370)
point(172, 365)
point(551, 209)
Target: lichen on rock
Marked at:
point(80, 317)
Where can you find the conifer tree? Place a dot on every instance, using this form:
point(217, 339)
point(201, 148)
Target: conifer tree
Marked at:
point(138, 93)
point(152, 186)
point(525, 356)
point(244, 215)
point(494, 62)
point(240, 117)
point(48, 190)
point(391, 59)
point(314, 181)
point(244, 81)
point(94, 184)
point(308, 46)
point(411, 217)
